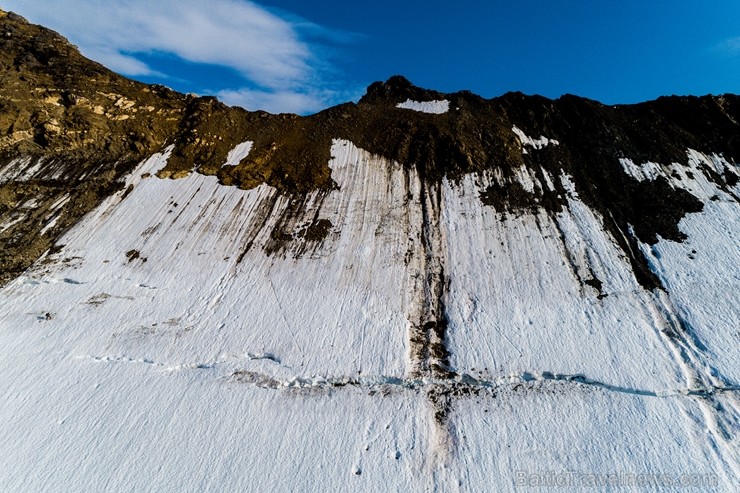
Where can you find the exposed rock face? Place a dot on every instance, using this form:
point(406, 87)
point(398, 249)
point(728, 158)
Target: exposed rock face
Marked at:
point(58, 104)
point(69, 131)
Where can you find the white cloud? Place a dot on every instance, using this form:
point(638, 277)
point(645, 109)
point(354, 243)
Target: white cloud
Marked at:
point(277, 101)
point(124, 64)
point(310, 101)
point(267, 50)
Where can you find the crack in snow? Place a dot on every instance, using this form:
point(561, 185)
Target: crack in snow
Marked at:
point(465, 382)
point(461, 383)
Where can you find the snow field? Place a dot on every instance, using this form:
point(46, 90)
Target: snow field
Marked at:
point(167, 347)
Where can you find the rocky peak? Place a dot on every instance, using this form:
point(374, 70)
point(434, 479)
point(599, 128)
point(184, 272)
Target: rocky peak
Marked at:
point(397, 89)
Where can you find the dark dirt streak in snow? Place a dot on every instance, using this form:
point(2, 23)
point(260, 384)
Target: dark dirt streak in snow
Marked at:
point(299, 231)
point(430, 356)
point(260, 219)
point(427, 338)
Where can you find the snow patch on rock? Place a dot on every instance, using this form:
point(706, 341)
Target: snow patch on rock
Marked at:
point(695, 177)
point(239, 152)
point(538, 143)
point(435, 107)
point(642, 172)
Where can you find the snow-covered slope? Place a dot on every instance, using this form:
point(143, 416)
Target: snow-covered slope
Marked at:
point(390, 334)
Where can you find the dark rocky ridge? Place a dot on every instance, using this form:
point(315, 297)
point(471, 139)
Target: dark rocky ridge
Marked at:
point(90, 126)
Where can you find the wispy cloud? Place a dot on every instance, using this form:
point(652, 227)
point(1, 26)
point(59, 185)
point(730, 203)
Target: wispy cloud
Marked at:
point(279, 101)
point(730, 46)
point(310, 99)
point(281, 70)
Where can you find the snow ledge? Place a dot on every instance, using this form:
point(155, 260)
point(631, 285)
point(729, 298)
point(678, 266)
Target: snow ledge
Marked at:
point(435, 107)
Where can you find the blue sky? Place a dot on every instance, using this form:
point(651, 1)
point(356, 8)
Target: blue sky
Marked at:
point(302, 56)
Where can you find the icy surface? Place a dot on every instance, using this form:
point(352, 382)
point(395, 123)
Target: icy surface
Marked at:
point(562, 437)
point(507, 316)
point(171, 345)
point(193, 276)
point(436, 107)
point(702, 279)
point(701, 274)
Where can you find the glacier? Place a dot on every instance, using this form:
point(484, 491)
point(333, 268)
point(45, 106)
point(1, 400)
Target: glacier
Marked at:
point(171, 341)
